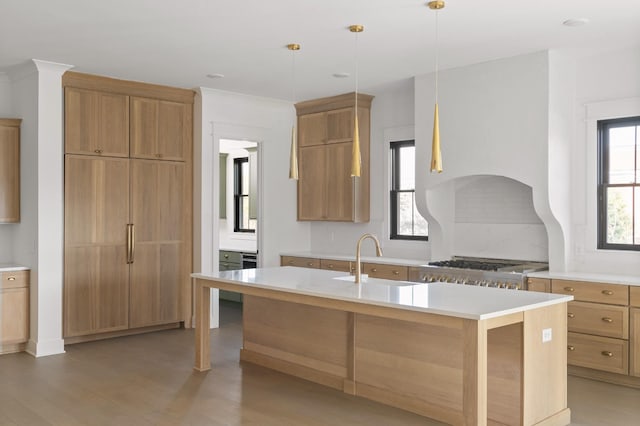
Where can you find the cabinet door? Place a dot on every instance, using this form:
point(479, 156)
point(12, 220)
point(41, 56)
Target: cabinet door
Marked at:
point(14, 316)
point(339, 182)
point(158, 213)
point(159, 129)
point(635, 342)
point(96, 277)
point(311, 183)
point(96, 123)
point(9, 171)
point(340, 125)
point(312, 129)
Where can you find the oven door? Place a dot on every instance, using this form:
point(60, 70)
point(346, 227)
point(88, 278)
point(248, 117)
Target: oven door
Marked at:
point(249, 260)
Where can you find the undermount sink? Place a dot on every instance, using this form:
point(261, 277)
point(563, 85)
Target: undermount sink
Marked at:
point(364, 278)
point(352, 278)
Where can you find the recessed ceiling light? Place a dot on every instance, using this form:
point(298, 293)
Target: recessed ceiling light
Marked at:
point(341, 75)
point(215, 75)
point(576, 22)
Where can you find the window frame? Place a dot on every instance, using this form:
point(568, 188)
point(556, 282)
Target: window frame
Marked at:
point(238, 195)
point(394, 192)
point(603, 127)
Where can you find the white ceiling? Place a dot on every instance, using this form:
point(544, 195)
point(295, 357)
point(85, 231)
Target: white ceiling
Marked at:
point(178, 43)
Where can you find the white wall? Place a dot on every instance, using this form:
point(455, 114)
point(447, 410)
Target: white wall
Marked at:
point(6, 230)
point(233, 116)
point(391, 119)
point(607, 85)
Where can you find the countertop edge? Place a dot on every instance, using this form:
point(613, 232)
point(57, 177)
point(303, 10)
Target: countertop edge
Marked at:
point(350, 258)
point(630, 280)
point(12, 268)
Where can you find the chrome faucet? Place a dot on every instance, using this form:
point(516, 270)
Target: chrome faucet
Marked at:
point(358, 263)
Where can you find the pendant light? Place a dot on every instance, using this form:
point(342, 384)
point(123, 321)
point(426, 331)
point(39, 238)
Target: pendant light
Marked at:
point(436, 155)
point(356, 159)
point(293, 156)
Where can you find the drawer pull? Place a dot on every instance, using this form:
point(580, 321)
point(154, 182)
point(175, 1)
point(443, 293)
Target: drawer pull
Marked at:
point(607, 292)
point(607, 353)
point(11, 279)
point(607, 319)
point(309, 264)
point(396, 273)
point(571, 289)
point(374, 270)
point(330, 266)
point(571, 315)
point(571, 348)
point(226, 256)
point(98, 151)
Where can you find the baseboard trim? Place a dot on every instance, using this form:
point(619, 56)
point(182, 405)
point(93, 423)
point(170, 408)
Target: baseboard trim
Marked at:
point(120, 333)
point(604, 376)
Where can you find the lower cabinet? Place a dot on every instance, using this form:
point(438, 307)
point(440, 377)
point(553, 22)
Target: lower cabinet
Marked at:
point(598, 353)
point(14, 311)
point(301, 262)
point(230, 261)
point(635, 342)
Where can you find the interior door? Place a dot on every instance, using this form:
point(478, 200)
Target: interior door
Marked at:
point(158, 216)
point(96, 282)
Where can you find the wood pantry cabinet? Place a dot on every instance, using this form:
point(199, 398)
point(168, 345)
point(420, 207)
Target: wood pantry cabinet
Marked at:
point(326, 190)
point(9, 170)
point(14, 311)
point(127, 218)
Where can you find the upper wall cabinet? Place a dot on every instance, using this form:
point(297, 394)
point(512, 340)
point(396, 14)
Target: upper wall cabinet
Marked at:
point(96, 123)
point(159, 129)
point(326, 190)
point(9, 170)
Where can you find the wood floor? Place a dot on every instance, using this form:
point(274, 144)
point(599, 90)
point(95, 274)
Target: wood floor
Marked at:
point(148, 380)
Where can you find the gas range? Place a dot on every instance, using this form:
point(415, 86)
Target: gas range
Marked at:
point(500, 273)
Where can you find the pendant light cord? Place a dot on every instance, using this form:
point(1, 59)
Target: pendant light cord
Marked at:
point(437, 54)
point(356, 56)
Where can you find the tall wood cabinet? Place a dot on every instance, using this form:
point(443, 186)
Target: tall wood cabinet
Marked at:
point(9, 170)
point(128, 191)
point(326, 190)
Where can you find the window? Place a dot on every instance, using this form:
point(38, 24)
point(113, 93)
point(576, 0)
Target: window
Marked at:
point(619, 184)
point(406, 222)
point(241, 199)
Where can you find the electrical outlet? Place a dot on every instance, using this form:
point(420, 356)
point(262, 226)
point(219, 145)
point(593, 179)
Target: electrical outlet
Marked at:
point(547, 335)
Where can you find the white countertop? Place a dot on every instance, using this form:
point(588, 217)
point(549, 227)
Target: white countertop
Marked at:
point(589, 277)
point(352, 258)
point(457, 300)
point(8, 267)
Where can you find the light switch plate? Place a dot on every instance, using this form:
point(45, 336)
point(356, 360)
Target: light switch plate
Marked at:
point(547, 335)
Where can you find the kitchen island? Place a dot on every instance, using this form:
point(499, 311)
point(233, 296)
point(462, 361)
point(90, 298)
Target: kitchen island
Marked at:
point(459, 354)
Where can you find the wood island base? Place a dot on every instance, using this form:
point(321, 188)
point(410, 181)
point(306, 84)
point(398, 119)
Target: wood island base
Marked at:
point(455, 370)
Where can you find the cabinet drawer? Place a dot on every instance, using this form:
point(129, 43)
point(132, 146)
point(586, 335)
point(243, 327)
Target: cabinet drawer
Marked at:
point(598, 319)
point(302, 262)
point(599, 353)
point(230, 256)
point(14, 279)
point(542, 285)
point(613, 294)
point(336, 265)
point(229, 266)
point(634, 296)
point(389, 272)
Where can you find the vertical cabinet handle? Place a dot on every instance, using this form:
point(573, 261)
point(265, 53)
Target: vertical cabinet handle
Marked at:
point(131, 243)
